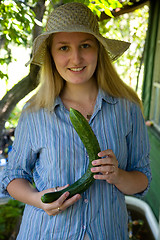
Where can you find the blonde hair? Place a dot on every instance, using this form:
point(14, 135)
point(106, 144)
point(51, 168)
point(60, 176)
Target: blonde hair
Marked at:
point(51, 83)
point(109, 80)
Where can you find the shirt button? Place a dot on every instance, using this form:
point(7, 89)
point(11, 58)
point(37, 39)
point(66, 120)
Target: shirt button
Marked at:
point(84, 227)
point(86, 200)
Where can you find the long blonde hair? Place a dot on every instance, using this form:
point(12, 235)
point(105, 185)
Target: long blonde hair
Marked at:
point(51, 83)
point(109, 80)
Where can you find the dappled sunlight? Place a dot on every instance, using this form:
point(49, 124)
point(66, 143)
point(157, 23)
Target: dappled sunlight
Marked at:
point(132, 28)
point(16, 69)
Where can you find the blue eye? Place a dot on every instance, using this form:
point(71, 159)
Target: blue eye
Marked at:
point(64, 48)
point(85, 45)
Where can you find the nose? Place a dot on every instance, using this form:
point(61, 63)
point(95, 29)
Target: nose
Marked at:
point(76, 56)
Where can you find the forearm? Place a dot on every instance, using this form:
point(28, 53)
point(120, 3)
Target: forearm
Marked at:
point(23, 191)
point(131, 182)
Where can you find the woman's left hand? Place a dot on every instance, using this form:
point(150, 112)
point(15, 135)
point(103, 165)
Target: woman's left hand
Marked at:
point(107, 165)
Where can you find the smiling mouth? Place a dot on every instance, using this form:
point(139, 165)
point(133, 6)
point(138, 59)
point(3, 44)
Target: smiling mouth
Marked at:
point(77, 69)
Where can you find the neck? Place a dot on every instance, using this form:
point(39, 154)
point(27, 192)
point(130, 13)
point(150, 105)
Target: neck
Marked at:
point(81, 97)
point(81, 92)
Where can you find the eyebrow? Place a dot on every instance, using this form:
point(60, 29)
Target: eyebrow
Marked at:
point(85, 40)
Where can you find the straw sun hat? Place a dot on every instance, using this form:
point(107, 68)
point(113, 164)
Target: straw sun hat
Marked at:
point(74, 17)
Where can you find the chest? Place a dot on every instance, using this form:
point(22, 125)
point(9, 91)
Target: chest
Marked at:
point(60, 146)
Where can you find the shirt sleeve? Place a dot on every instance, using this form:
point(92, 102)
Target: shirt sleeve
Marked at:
point(139, 147)
point(21, 159)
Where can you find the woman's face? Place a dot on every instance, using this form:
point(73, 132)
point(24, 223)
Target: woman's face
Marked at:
point(75, 56)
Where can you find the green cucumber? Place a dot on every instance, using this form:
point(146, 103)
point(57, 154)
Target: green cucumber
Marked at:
point(91, 144)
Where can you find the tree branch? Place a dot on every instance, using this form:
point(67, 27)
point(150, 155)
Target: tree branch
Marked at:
point(18, 92)
point(39, 10)
point(126, 9)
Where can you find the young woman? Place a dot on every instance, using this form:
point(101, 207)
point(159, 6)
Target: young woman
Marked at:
point(76, 71)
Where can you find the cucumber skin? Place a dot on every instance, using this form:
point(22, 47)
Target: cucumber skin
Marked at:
point(91, 144)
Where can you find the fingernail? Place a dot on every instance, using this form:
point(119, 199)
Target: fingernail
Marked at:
point(67, 194)
point(93, 162)
point(78, 197)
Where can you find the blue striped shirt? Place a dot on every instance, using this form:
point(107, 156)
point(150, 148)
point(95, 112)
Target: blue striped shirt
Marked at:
point(49, 151)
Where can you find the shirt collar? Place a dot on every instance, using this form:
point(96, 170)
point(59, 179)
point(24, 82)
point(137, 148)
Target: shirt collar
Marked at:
point(106, 97)
point(102, 95)
point(56, 103)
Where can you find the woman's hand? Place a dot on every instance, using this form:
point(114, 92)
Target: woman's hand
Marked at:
point(107, 165)
point(22, 190)
point(60, 204)
point(128, 182)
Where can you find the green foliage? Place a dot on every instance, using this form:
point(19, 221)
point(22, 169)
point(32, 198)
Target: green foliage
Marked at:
point(16, 21)
point(3, 75)
point(98, 6)
point(13, 118)
point(9, 216)
point(132, 28)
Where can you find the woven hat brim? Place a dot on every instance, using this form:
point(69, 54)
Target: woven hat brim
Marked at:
point(115, 48)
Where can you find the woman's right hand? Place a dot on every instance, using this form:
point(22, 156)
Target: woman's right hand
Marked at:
point(60, 204)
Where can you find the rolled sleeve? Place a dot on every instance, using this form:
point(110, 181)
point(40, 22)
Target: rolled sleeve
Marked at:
point(10, 175)
point(139, 147)
point(21, 159)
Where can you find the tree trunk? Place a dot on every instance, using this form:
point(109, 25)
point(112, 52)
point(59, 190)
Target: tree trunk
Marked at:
point(27, 84)
point(13, 96)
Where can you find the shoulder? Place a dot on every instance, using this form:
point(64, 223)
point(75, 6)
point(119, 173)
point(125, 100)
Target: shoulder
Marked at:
point(123, 108)
point(117, 100)
point(32, 118)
